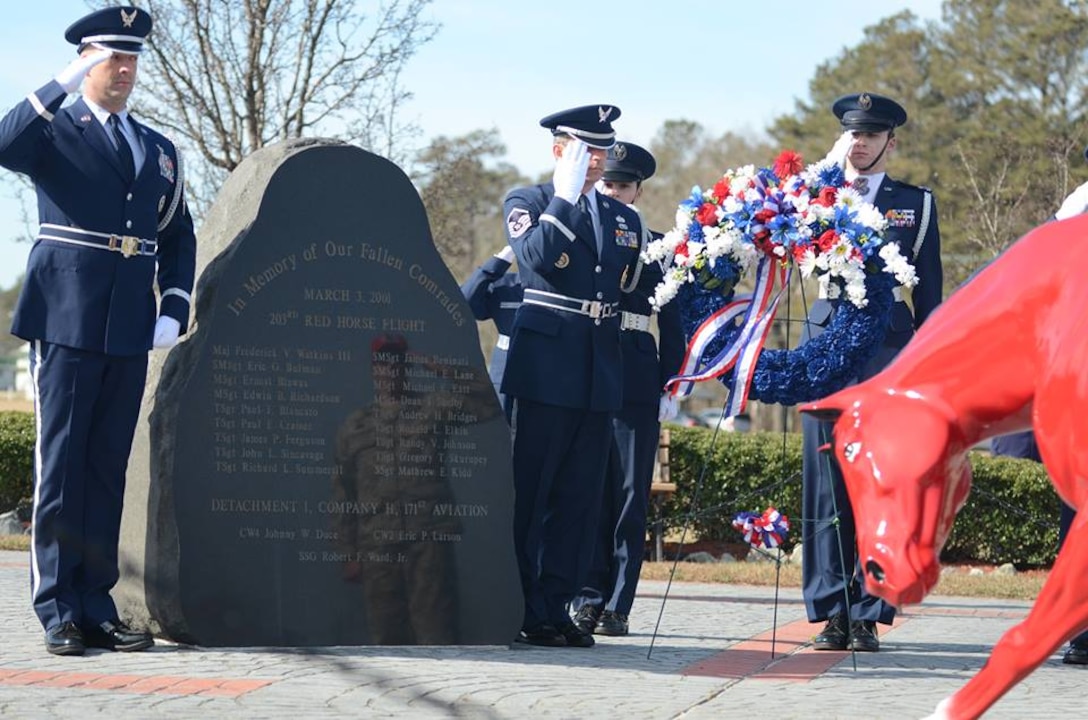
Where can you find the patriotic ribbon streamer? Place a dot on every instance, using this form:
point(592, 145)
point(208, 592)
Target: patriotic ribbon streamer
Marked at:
point(759, 309)
point(767, 530)
point(752, 343)
point(684, 382)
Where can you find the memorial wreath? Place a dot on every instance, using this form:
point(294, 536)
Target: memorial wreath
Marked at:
point(760, 222)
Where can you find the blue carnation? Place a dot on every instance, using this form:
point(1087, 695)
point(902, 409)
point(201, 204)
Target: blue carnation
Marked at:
point(694, 201)
point(832, 175)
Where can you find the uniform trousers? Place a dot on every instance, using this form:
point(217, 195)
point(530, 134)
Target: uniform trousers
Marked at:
point(833, 576)
point(560, 456)
point(87, 404)
point(621, 538)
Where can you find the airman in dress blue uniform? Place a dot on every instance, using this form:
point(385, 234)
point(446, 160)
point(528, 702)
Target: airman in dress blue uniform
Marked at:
point(574, 249)
point(493, 293)
point(113, 222)
point(834, 593)
point(604, 603)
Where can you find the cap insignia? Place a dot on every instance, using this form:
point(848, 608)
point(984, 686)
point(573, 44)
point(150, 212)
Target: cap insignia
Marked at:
point(620, 151)
point(128, 18)
point(603, 113)
point(864, 101)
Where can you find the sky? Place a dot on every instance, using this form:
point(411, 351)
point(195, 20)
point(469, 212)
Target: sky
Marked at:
point(729, 65)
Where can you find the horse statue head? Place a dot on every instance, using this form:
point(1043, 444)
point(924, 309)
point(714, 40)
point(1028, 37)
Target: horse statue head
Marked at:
point(1005, 353)
point(907, 476)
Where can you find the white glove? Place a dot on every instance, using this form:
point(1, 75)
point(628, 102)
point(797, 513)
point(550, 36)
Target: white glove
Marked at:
point(1075, 204)
point(166, 332)
point(71, 76)
point(840, 149)
point(667, 409)
point(570, 170)
point(507, 254)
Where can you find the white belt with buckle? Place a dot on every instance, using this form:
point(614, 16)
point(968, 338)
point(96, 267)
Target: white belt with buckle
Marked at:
point(897, 293)
point(634, 321)
point(593, 308)
point(503, 343)
point(127, 245)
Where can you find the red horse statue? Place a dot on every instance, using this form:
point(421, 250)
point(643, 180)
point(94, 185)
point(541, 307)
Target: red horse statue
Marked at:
point(1007, 352)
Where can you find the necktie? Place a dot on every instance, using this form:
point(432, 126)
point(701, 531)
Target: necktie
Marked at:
point(583, 204)
point(861, 184)
point(124, 151)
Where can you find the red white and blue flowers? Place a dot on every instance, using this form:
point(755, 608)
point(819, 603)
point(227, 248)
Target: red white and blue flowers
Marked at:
point(813, 216)
point(754, 222)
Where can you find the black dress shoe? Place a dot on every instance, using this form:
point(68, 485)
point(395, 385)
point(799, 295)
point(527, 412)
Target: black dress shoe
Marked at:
point(542, 635)
point(575, 636)
point(835, 635)
point(863, 636)
point(612, 623)
point(586, 618)
point(117, 636)
point(1077, 654)
point(64, 639)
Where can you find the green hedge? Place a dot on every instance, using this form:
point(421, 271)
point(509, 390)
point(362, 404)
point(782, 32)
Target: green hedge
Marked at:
point(1010, 516)
point(16, 458)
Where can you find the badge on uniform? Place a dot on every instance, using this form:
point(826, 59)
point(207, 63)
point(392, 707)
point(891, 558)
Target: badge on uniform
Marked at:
point(900, 218)
point(626, 238)
point(166, 165)
point(518, 222)
point(563, 261)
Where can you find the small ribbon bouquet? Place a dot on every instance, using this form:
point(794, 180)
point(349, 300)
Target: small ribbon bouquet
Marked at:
point(761, 222)
point(768, 530)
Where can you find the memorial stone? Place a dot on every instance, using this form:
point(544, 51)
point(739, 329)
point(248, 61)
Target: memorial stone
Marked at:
point(325, 461)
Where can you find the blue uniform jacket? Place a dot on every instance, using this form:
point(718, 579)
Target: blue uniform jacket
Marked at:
point(88, 297)
point(494, 294)
point(904, 207)
point(559, 357)
point(647, 365)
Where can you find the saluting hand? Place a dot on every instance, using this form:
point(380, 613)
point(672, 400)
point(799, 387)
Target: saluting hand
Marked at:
point(71, 76)
point(838, 152)
point(1075, 204)
point(570, 170)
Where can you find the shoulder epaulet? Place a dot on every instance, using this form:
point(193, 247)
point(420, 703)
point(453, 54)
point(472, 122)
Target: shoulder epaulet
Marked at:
point(908, 186)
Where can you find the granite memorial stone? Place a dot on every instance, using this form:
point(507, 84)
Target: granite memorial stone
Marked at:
point(326, 460)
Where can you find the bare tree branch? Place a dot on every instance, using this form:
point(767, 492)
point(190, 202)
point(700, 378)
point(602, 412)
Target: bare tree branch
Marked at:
point(228, 77)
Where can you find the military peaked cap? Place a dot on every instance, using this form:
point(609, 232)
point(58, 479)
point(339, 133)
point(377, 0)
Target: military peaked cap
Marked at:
point(592, 124)
point(869, 112)
point(117, 28)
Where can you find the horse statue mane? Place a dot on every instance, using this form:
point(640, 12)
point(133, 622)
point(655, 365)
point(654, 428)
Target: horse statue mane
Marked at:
point(1006, 352)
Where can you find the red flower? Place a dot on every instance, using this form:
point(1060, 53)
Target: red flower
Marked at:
point(827, 240)
point(826, 197)
point(707, 215)
point(682, 249)
point(762, 216)
point(787, 163)
point(721, 190)
point(799, 251)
